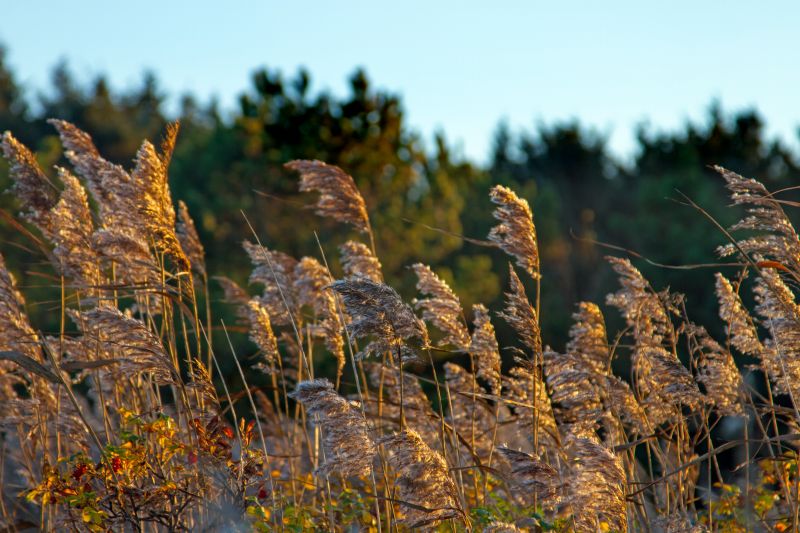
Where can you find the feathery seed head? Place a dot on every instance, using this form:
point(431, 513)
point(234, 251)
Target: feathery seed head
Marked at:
point(515, 234)
point(521, 316)
point(442, 307)
point(378, 311)
point(339, 197)
point(423, 479)
point(483, 347)
point(358, 260)
point(348, 448)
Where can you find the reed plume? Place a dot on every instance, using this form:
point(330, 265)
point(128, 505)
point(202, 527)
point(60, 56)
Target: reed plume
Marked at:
point(665, 385)
point(275, 271)
point(472, 418)
point(441, 308)
point(528, 394)
point(776, 305)
point(533, 476)
point(425, 489)
point(418, 412)
point(776, 239)
point(484, 349)
point(521, 316)
point(311, 284)
point(358, 260)
point(643, 309)
point(378, 311)
point(515, 234)
point(119, 336)
point(587, 339)
point(189, 240)
point(739, 324)
point(35, 191)
point(717, 371)
point(262, 335)
point(158, 212)
point(348, 447)
point(73, 227)
point(339, 197)
point(596, 488)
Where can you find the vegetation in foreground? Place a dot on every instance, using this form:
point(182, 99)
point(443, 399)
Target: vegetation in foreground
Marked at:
point(121, 419)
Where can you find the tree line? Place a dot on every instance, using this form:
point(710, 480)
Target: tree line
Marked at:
point(426, 204)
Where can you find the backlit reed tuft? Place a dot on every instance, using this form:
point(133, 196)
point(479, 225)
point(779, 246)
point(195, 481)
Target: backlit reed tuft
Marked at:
point(532, 475)
point(311, 284)
point(348, 448)
point(484, 349)
point(739, 324)
point(596, 487)
point(717, 371)
point(441, 308)
point(262, 335)
point(339, 197)
point(275, 271)
point(358, 260)
point(515, 233)
point(378, 312)
point(521, 316)
point(776, 238)
point(189, 239)
point(425, 489)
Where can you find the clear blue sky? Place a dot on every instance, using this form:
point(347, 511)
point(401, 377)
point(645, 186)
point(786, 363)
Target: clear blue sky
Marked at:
point(460, 66)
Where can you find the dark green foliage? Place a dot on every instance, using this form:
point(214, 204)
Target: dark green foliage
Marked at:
point(225, 166)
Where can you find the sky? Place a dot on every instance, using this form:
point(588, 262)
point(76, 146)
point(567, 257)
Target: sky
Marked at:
point(460, 66)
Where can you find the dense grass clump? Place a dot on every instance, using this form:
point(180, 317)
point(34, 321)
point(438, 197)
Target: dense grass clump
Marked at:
point(346, 417)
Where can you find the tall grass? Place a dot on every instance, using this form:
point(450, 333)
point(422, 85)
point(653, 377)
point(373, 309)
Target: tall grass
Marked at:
point(122, 419)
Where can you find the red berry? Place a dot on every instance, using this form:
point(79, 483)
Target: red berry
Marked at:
point(116, 464)
point(79, 471)
point(262, 493)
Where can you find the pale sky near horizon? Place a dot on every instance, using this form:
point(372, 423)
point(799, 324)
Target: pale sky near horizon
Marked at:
point(460, 66)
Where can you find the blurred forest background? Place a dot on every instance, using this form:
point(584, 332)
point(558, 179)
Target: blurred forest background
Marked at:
point(421, 198)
